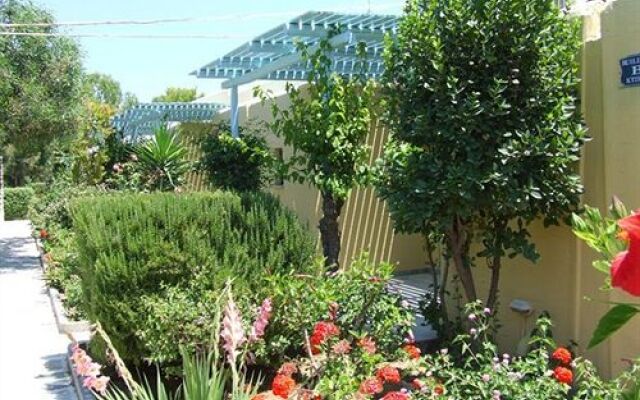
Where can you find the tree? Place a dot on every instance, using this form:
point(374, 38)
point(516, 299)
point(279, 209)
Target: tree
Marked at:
point(326, 125)
point(129, 100)
point(176, 94)
point(40, 82)
point(482, 104)
point(102, 88)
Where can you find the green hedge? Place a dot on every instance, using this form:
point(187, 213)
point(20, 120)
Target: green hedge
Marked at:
point(138, 250)
point(16, 202)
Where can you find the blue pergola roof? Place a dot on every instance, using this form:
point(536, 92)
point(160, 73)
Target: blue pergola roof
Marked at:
point(143, 118)
point(272, 55)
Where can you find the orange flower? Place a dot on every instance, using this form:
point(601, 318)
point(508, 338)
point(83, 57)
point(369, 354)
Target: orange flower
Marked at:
point(388, 374)
point(371, 386)
point(439, 390)
point(282, 386)
point(563, 375)
point(412, 350)
point(562, 355)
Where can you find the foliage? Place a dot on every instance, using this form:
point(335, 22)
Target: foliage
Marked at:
point(547, 372)
point(236, 163)
point(176, 94)
point(603, 234)
point(40, 89)
point(326, 124)
point(16, 202)
point(479, 94)
point(145, 260)
point(162, 160)
point(102, 88)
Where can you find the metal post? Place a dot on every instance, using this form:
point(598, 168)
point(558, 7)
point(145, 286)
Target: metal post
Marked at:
point(1, 189)
point(234, 112)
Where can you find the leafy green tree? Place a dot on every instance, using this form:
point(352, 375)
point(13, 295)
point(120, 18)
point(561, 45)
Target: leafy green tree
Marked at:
point(40, 88)
point(486, 133)
point(176, 94)
point(128, 100)
point(102, 88)
point(326, 125)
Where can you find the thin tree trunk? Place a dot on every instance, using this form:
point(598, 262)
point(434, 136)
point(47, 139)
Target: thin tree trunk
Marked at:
point(438, 289)
point(495, 279)
point(457, 246)
point(330, 230)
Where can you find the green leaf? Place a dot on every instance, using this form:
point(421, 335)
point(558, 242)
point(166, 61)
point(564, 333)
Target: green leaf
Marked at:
point(611, 322)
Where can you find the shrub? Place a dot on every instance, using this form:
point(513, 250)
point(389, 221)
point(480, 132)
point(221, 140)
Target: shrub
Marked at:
point(16, 202)
point(51, 209)
point(162, 160)
point(236, 163)
point(137, 251)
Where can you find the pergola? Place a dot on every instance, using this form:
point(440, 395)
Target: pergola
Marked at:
point(273, 55)
point(141, 119)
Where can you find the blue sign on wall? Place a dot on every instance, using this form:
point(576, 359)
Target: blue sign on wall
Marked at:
point(630, 70)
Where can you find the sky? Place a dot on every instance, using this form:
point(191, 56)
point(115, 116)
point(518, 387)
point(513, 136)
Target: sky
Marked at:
point(146, 67)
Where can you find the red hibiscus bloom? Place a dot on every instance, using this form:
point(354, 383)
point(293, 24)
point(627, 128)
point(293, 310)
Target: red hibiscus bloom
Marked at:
point(388, 374)
point(625, 269)
point(396, 396)
point(412, 350)
point(371, 386)
point(282, 386)
point(563, 375)
point(562, 355)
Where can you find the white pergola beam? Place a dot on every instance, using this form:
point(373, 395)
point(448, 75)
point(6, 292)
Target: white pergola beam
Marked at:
point(283, 62)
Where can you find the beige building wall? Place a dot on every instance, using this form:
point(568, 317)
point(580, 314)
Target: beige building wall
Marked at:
point(563, 277)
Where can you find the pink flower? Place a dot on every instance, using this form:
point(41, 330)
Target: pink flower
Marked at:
point(232, 332)
point(368, 345)
point(342, 347)
point(99, 384)
point(261, 322)
point(88, 369)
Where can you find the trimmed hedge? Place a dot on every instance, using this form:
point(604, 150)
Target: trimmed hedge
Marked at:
point(16, 202)
point(138, 250)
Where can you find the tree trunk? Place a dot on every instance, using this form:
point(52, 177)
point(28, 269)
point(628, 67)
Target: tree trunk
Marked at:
point(496, 264)
point(330, 230)
point(457, 245)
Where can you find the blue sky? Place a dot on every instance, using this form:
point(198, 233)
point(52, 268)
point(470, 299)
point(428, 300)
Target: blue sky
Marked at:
point(147, 66)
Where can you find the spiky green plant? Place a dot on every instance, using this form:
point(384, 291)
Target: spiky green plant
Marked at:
point(162, 160)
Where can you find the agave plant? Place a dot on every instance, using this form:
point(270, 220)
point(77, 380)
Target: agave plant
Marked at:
point(162, 160)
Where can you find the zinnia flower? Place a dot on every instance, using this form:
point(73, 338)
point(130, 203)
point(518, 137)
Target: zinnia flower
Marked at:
point(625, 268)
point(371, 386)
point(321, 332)
point(368, 345)
point(388, 374)
point(412, 350)
point(562, 355)
point(396, 396)
point(563, 375)
point(282, 386)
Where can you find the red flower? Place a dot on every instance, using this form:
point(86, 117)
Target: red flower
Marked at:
point(371, 386)
point(44, 234)
point(412, 350)
point(396, 396)
point(388, 374)
point(625, 269)
point(282, 386)
point(439, 390)
point(321, 332)
point(417, 384)
point(562, 355)
point(563, 375)
point(368, 345)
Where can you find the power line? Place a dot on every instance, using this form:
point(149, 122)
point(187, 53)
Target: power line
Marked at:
point(218, 18)
point(125, 36)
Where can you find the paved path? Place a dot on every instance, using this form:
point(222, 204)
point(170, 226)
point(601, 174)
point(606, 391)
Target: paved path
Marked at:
point(32, 353)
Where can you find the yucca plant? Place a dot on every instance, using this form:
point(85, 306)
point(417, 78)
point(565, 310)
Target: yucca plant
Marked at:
point(162, 160)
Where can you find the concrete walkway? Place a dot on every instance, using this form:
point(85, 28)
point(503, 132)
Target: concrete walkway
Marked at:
point(33, 363)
